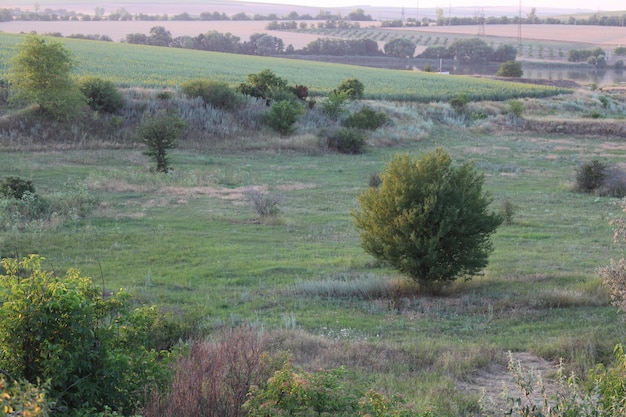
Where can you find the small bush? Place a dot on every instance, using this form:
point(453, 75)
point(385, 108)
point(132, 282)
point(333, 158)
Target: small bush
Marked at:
point(213, 379)
point(15, 187)
point(366, 119)
point(283, 115)
point(459, 102)
point(347, 140)
point(160, 132)
point(215, 93)
point(165, 95)
point(353, 87)
point(507, 212)
point(590, 176)
point(516, 107)
point(260, 85)
point(265, 205)
point(102, 95)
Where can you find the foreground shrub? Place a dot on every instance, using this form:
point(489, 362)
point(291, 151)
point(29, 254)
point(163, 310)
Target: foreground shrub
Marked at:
point(346, 140)
point(283, 115)
point(22, 399)
point(215, 93)
point(428, 219)
point(92, 349)
point(603, 395)
point(366, 119)
point(213, 379)
point(160, 133)
point(15, 187)
point(102, 95)
point(334, 392)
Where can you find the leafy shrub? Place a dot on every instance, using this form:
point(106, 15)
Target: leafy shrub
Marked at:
point(15, 187)
point(366, 119)
point(102, 95)
point(301, 91)
point(333, 392)
point(165, 95)
point(335, 104)
point(428, 219)
point(61, 329)
point(283, 115)
point(516, 107)
point(353, 87)
point(22, 399)
point(459, 102)
point(347, 140)
point(510, 69)
point(215, 93)
point(160, 132)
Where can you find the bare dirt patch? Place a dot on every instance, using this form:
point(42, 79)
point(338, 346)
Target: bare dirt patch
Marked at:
point(495, 380)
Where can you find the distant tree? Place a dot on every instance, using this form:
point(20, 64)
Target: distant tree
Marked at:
point(40, 73)
point(471, 51)
point(436, 52)
point(400, 48)
point(136, 38)
point(359, 15)
point(504, 53)
point(240, 16)
point(159, 36)
point(510, 69)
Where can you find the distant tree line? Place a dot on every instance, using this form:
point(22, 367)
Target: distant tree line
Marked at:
point(121, 14)
point(471, 51)
point(258, 44)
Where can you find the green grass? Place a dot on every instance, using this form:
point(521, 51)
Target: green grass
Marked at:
point(191, 241)
point(138, 65)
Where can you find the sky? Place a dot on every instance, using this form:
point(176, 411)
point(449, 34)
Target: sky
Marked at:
point(445, 4)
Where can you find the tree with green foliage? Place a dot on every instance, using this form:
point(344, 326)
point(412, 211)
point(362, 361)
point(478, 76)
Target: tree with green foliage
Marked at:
point(510, 69)
point(352, 87)
point(160, 132)
point(262, 85)
point(40, 73)
point(428, 219)
point(400, 48)
point(471, 51)
point(91, 348)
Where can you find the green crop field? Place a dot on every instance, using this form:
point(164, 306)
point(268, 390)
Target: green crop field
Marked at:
point(146, 66)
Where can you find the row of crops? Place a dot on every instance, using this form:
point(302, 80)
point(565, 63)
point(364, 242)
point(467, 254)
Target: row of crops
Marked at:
point(146, 66)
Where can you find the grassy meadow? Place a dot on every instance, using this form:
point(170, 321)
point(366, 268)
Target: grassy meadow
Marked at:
point(191, 243)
